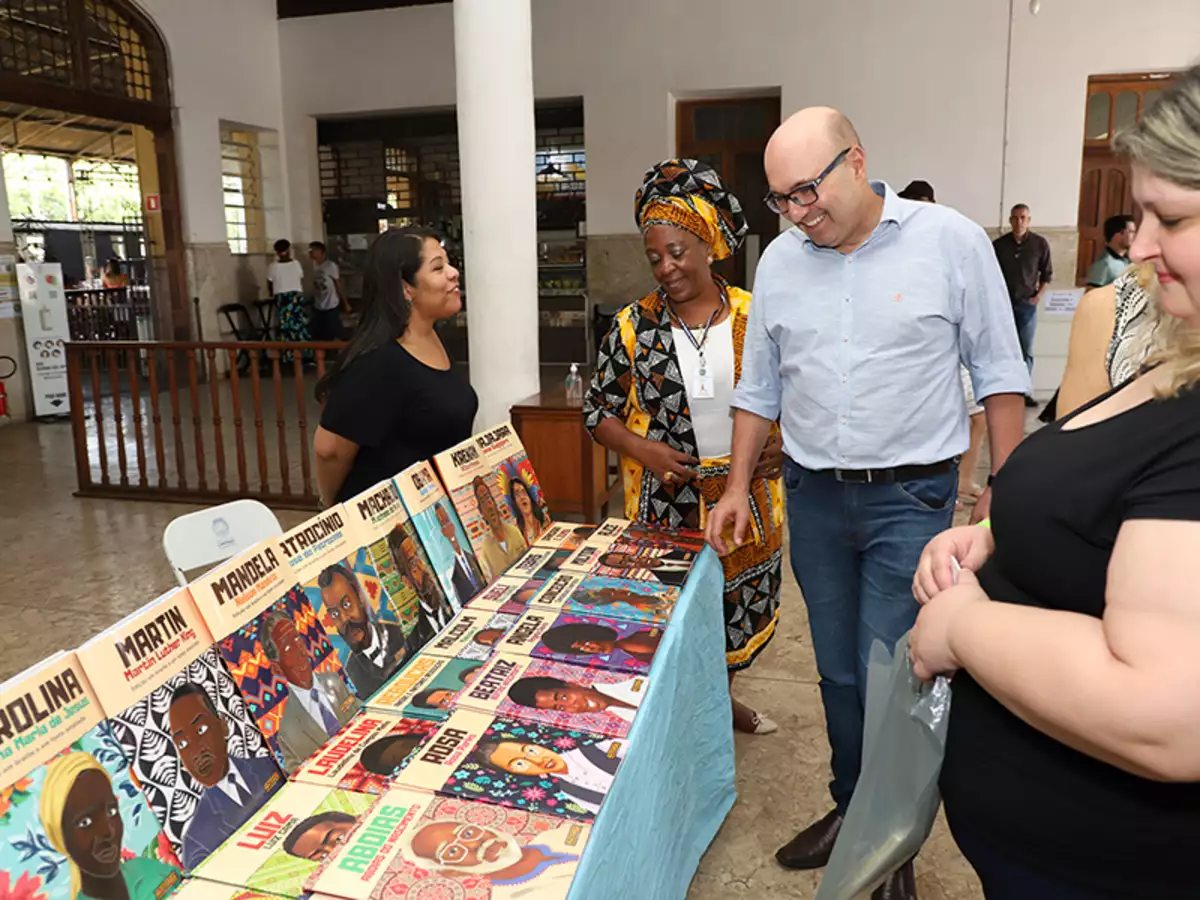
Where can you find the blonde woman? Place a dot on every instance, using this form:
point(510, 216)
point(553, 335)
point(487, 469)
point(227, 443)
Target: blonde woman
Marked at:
point(82, 821)
point(1072, 765)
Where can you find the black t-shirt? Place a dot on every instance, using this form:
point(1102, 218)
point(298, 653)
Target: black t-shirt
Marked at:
point(1058, 504)
point(399, 411)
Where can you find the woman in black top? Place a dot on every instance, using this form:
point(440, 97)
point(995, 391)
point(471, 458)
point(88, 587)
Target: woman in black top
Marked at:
point(393, 398)
point(1072, 765)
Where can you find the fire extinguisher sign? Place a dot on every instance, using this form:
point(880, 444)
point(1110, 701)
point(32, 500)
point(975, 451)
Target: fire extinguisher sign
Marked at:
point(46, 332)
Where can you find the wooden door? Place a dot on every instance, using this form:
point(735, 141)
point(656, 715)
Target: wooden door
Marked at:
point(731, 135)
point(1113, 102)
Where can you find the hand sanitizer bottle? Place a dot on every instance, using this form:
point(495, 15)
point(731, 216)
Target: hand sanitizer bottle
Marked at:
point(574, 385)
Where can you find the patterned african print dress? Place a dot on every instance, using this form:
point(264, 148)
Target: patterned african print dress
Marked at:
point(638, 381)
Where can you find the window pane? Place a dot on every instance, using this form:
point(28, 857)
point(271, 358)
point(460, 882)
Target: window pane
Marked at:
point(1098, 107)
point(1149, 99)
point(1125, 110)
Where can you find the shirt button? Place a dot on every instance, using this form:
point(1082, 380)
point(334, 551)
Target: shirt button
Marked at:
point(843, 379)
point(843, 420)
point(845, 338)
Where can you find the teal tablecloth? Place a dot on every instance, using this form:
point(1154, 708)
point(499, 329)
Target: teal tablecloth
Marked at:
point(677, 782)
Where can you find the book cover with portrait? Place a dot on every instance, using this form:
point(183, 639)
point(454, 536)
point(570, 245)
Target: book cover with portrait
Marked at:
point(505, 596)
point(565, 536)
point(654, 536)
point(611, 598)
point(446, 551)
point(375, 515)
point(584, 640)
point(533, 561)
point(278, 652)
point(518, 482)
point(339, 578)
point(366, 754)
point(72, 822)
point(285, 842)
point(668, 565)
point(427, 688)
point(510, 762)
point(473, 634)
point(554, 693)
point(474, 489)
point(193, 747)
point(424, 846)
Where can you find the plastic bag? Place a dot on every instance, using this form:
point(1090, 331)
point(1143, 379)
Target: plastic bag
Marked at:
point(896, 800)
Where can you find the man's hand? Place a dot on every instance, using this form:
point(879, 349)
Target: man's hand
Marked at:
point(983, 507)
point(733, 508)
point(669, 465)
point(770, 462)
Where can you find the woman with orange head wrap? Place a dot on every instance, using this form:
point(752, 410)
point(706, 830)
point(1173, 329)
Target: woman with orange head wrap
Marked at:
point(661, 394)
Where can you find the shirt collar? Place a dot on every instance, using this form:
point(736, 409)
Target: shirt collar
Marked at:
point(896, 210)
point(1115, 255)
point(227, 788)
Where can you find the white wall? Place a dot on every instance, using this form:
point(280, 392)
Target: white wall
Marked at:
point(886, 65)
point(225, 65)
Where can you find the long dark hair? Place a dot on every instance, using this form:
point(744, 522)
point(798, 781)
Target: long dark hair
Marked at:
point(395, 256)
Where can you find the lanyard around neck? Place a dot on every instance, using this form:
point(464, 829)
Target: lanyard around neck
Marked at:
point(698, 344)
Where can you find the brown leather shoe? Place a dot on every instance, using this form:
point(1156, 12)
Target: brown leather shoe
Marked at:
point(810, 849)
point(901, 885)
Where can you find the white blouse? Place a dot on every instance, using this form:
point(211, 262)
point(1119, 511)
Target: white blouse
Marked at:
point(712, 418)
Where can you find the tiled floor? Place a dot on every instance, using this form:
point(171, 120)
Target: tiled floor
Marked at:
point(69, 568)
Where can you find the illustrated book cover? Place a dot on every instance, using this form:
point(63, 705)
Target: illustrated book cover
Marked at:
point(447, 554)
point(72, 822)
point(516, 480)
point(555, 693)
point(191, 743)
point(286, 841)
point(472, 634)
point(610, 598)
point(427, 687)
point(419, 845)
point(366, 754)
point(278, 652)
point(584, 640)
point(510, 762)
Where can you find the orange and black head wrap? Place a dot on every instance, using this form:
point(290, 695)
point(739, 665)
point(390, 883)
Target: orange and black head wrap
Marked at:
point(689, 194)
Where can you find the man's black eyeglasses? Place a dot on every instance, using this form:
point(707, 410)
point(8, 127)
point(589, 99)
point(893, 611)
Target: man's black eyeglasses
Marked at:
point(804, 194)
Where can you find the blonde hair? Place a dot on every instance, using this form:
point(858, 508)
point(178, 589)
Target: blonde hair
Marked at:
point(1166, 142)
point(60, 778)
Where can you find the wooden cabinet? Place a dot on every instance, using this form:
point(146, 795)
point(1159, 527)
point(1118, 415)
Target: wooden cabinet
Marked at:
point(572, 468)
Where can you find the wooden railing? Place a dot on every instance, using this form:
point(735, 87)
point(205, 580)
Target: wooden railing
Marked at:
point(183, 421)
point(109, 314)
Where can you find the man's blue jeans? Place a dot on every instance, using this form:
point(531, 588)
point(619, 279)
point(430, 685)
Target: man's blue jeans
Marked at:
point(854, 549)
point(1026, 315)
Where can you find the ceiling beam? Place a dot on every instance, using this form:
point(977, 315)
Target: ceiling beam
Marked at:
point(110, 137)
point(42, 135)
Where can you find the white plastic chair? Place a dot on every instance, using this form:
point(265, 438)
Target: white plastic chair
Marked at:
point(202, 539)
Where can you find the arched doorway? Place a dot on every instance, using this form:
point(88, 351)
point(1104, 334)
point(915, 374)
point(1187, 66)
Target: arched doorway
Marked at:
point(106, 58)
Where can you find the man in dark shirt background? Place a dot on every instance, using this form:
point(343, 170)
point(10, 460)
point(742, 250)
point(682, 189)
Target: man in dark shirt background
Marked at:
point(1025, 261)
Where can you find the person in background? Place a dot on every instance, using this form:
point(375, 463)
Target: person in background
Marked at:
point(285, 282)
point(968, 490)
point(329, 295)
point(1119, 232)
point(370, 428)
point(113, 277)
point(1025, 261)
point(1072, 764)
point(660, 398)
point(861, 317)
point(1115, 329)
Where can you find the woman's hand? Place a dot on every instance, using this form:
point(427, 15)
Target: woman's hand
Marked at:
point(669, 465)
point(929, 641)
point(770, 463)
point(971, 545)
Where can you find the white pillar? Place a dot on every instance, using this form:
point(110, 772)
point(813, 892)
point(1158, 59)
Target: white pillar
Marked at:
point(494, 74)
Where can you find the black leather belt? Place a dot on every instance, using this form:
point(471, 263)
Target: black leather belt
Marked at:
point(888, 476)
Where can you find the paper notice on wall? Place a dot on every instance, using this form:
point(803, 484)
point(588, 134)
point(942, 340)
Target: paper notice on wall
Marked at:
point(8, 281)
point(47, 330)
point(1061, 303)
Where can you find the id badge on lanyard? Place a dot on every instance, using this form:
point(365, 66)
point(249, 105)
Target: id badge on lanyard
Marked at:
point(703, 385)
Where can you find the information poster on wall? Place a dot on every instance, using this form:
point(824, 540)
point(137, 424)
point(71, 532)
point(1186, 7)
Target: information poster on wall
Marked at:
point(46, 332)
point(1061, 303)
